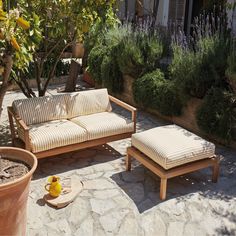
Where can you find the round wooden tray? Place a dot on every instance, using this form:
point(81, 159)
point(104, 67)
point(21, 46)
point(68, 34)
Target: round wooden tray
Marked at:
point(64, 199)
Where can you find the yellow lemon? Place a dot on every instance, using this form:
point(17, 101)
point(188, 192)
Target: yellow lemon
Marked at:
point(1, 70)
point(1, 36)
point(23, 23)
point(85, 28)
point(14, 43)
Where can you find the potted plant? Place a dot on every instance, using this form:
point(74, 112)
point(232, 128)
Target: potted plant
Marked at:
point(78, 50)
point(88, 78)
point(14, 190)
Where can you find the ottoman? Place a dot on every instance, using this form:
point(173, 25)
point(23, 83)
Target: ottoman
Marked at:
point(170, 151)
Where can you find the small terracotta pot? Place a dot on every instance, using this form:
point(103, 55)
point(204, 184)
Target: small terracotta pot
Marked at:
point(14, 195)
point(78, 50)
point(88, 79)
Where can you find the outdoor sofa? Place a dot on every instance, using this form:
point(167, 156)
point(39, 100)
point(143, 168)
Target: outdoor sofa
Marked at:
point(56, 124)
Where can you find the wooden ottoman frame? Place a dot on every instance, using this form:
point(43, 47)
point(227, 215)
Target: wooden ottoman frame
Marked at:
point(176, 171)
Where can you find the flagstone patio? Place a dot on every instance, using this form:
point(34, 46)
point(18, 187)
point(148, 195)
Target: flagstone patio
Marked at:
point(116, 202)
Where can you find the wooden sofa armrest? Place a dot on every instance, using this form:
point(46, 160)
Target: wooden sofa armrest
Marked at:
point(126, 106)
point(12, 116)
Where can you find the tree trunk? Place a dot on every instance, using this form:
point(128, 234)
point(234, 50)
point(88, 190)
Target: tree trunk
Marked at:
point(139, 8)
point(75, 68)
point(52, 71)
point(3, 90)
point(24, 86)
point(38, 74)
point(8, 62)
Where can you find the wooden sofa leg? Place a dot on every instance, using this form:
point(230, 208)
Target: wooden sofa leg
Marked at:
point(163, 188)
point(128, 162)
point(215, 171)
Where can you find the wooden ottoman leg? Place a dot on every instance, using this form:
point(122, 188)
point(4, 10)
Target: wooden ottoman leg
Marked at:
point(163, 188)
point(216, 168)
point(128, 162)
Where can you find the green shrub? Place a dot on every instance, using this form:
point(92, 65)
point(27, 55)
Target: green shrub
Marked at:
point(102, 60)
point(214, 51)
point(145, 86)
point(63, 68)
point(95, 59)
point(216, 115)
point(152, 49)
point(167, 99)
point(130, 58)
point(197, 71)
point(122, 50)
point(111, 74)
point(154, 91)
point(139, 54)
point(231, 68)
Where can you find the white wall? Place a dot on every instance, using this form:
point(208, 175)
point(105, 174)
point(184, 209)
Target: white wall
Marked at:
point(131, 9)
point(234, 22)
point(232, 18)
point(121, 7)
point(148, 7)
point(163, 13)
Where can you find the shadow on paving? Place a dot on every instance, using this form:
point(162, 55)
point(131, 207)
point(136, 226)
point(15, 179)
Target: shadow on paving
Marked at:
point(76, 160)
point(5, 136)
point(144, 191)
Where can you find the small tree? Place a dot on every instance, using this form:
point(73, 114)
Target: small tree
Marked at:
point(63, 23)
point(17, 43)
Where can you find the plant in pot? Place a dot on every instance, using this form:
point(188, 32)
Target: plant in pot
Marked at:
point(16, 169)
point(17, 43)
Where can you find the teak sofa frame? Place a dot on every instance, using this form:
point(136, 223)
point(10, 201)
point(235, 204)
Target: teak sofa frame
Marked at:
point(176, 171)
point(14, 118)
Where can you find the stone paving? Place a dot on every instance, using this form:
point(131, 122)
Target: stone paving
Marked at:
point(115, 202)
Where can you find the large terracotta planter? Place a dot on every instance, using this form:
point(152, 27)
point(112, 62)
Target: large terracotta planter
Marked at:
point(14, 195)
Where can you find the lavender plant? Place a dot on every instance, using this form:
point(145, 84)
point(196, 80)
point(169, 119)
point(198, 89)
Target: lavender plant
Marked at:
point(231, 60)
point(199, 61)
point(231, 69)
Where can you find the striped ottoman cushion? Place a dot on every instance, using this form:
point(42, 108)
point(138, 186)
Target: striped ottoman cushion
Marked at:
point(171, 146)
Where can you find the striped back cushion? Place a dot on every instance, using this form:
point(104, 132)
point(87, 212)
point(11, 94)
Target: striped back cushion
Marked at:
point(41, 109)
point(88, 102)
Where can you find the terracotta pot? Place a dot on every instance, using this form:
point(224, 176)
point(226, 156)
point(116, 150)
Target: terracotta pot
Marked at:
point(232, 81)
point(78, 50)
point(88, 79)
point(14, 195)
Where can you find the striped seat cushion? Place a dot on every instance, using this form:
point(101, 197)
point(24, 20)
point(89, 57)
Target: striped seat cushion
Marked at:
point(41, 109)
point(171, 146)
point(52, 134)
point(88, 102)
point(104, 124)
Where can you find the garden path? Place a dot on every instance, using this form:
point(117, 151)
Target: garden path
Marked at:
point(114, 202)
